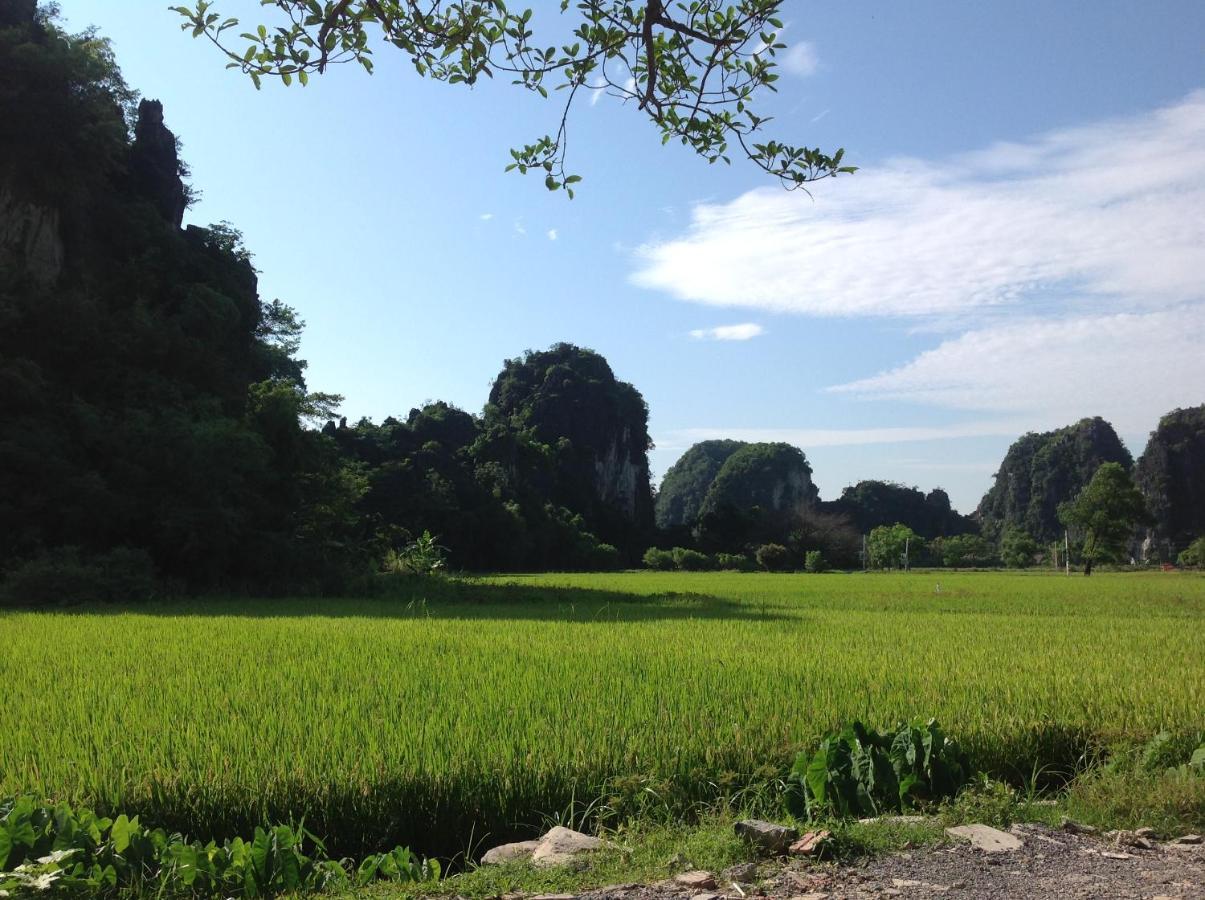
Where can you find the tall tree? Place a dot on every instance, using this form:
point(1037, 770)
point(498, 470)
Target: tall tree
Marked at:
point(693, 68)
point(1105, 513)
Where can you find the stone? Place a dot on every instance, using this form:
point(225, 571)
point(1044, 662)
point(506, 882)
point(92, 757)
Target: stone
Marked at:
point(1186, 839)
point(1110, 854)
point(1132, 839)
point(562, 846)
point(706, 897)
point(989, 840)
point(766, 835)
point(892, 820)
point(504, 853)
point(811, 844)
point(1145, 832)
point(1073, 827)
point(698, 880)
point(744, 873)
point(814, 895)
point(924, 885)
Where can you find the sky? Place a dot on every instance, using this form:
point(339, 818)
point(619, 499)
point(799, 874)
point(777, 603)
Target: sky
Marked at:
point(1022, 246)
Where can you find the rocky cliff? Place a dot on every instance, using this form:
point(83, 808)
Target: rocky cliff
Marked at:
point(1171, 475)
point(1040, 471)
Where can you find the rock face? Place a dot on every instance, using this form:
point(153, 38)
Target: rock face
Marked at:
point(155, 163)
point(1040, 471)
point(30, 238)
point(1171, 475)
point(598, 427)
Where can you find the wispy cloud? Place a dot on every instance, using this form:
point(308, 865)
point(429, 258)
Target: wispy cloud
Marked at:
point(1128, 367)
point(742, 332)
point(485, 217)
point(552, 234)
point(1109, 213)
point(801, 59)
point(844, 437)
point(520, 228)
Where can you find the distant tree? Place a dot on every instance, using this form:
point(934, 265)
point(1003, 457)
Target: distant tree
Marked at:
point(1193, 554)
point(1105, 513)
point(962, 550)
point(814, 561)
point(773, 557)
point(690, 560)
point(693, 68)
point(659, 560)
point(1017, 548)
point(892, 546)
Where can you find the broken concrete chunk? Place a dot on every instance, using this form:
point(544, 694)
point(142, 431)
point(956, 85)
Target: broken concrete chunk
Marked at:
point(697, 880)
point(989, 840)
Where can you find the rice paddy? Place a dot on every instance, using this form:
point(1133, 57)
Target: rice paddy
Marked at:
point(463, 708)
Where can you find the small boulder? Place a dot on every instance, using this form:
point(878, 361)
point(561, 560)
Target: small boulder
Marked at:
point(697, 880)
point(562, 846)
point(741, 873)
point(1073, 827)
point(766, 835)
point(505, 853)
point(1146, 832)
point(1187, 839)
point(989, 840)
point(811, 844)
point(1132, 839)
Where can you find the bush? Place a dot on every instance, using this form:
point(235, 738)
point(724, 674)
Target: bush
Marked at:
point(1017, 549)
point(691, 560)
point(659, 560)
point(1193, 554)
point(734, 561)
point(605, 558)
point(860, 772)
point(773, 557)
point(813, 561)
point(63, 576)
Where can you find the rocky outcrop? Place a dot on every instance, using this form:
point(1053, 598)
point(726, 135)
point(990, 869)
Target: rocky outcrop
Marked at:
point(1040, 471)
point(155, 163)
point(31, 240)
point(685, 485)
point(869, 504)
point(1171, 475)
point(774, 477)
point(597, 427)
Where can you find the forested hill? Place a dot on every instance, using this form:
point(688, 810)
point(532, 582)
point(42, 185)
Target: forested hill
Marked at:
point(149, 399)
point(1171, 475)
point(1040, 471)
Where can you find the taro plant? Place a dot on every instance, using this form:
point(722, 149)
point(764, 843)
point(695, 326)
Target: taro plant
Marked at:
point(56, 847)
point(858, 771)
point(422, 556)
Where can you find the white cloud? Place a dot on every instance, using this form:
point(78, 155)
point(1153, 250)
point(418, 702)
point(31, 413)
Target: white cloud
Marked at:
point(552, 234)
point(1128, 367)
point(742, 332)
point(843, 437)
point(485, 217)
point(520, 228)
point(801, 59)
point(1107, 214)
point(597, 88)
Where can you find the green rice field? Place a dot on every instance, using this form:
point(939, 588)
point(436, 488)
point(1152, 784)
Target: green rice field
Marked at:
point(466, 708)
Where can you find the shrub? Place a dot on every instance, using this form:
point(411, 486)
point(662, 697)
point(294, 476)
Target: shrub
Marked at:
point(814, 561)
point(861, 772)
point(1193, 554)
point(65, 576)
point(1017, 549)
point(659, 560)
point(773, 557)
point(605, 558)
point(422, 556)
point(737, 561)
point(691, 560)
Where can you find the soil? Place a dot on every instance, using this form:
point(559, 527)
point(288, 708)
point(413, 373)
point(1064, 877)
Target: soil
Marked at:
point(1050, 864)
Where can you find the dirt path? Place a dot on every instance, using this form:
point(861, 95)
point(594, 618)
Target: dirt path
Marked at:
point(1049, 864)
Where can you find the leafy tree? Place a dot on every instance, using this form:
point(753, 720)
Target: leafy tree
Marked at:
point(1193, 554)
point(773, 557)
point(814, 562)
point(659, 560)
point(690, 560)
point(893, 546)
point(1105, 513)
point(1017, 549)
point(694, 68)
point(962, 550)
point(734, 561)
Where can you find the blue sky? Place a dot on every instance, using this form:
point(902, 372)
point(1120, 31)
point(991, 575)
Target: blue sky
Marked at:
point(1023, 246)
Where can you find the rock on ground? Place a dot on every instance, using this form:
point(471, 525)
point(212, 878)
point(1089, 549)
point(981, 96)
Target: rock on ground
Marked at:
point(989, 840)
point(558, 847)
point(766, 835)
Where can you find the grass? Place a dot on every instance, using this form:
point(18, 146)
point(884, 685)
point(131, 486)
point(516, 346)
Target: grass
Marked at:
point(463, 712)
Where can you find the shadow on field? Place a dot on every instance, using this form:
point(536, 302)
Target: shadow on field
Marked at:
point(468, 599)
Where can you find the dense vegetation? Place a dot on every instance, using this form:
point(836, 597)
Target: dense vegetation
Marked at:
point(1040, 471)
point(1171, 475)
point(462, 708)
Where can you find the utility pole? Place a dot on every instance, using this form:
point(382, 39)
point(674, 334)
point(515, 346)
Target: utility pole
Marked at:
point(907, 564)
point(1067, 550)
point(865, 561)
